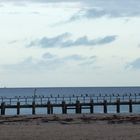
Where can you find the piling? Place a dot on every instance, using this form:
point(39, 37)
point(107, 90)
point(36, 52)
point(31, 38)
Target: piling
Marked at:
point(33, 107)
point(105, 106)
point(64, 107)
point(2, 108)
point(78, 107)
point(18, 108)
point(118, 105)
point(130, 105)
point(49, 107)
point(91, 106)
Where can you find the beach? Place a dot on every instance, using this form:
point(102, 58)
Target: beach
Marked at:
point(71, 127)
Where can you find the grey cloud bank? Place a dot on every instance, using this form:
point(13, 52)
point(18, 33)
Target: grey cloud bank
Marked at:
point(93, 13)
point(94, 8)
point(63, 40)
point(110, 9)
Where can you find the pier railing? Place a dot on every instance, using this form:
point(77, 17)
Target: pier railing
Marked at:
point(73, 102)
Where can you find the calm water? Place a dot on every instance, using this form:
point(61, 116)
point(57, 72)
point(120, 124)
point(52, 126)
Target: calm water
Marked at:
point(66, 91)
point(10, 92)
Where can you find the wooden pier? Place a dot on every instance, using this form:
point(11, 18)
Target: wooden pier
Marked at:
point(65, 103)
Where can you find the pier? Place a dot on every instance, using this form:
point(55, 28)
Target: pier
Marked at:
point(66, 103)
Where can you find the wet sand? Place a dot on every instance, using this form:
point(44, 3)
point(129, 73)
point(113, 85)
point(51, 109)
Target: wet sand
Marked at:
point(70, 127)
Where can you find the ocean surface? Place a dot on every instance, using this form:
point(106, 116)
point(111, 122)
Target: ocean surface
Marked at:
point(68, 91)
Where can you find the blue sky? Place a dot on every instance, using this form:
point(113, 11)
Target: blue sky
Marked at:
point(56, 43)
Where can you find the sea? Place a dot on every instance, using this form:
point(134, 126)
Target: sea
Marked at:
point(69, 91)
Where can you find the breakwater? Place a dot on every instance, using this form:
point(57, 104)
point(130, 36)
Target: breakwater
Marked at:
point(65, 103)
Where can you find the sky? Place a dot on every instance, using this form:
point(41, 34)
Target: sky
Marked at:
point(69, 43)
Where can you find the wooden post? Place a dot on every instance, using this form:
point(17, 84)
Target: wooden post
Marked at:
point(48, 107)
point(78, 107)
point(130, 106)
point(18, 108)
point(105, 106)
point(2, 108)
point(64, 108)
point(33, 107)
point(118, 105)
point(91, 106)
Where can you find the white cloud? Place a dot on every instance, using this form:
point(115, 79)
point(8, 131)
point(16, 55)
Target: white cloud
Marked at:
point(63, 40)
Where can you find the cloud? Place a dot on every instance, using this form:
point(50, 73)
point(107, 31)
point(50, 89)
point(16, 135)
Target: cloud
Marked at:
point(74, 57)
point(31, 64)
point(51, 57)
point(36, 1)
point(48, 62)
point(48, 56)
point(46, 42)
point(63, 40)
point(54, 61)
point(119, 8)
point(93, 8)
point(135, 64)
point(26, 65)
point(13, 42)
point(84, 41)
point(89, 62)
point(88, 13)
point(1, 5)
point(93, 13)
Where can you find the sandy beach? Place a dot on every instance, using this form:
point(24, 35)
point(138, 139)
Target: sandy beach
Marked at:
point(70, 127)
